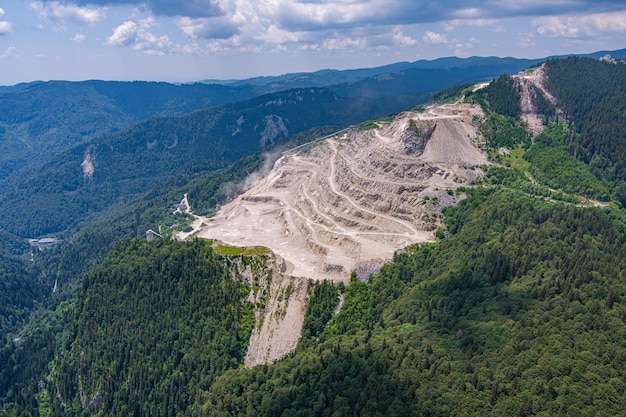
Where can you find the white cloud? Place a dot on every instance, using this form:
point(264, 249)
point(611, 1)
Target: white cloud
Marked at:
point(274, 35)
point(123, 35)
point(581, 26)
point(137, 35)
point(313, 47)
point(554, 26)
point(526, 40)
point(402, 40)
point(460, 48)
point(222, 46)
point(191, 49)
point(207, 28)
point(153, 45)
point(336, 44)
point(311, 25)
point(434, 38)
point(320, 23)
point(59, 13)
point(10, 52)
point(5, 27)
point(453, 24)
point(385, 26)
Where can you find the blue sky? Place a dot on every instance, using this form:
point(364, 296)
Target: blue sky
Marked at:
point(188, 40)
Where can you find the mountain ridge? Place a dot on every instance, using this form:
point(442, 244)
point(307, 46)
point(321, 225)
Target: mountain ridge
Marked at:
point(438, 63)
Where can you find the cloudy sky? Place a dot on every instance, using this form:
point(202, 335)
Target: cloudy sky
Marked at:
point(187, 40)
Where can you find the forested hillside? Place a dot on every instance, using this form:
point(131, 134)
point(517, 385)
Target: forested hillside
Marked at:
point(19, 293)
point(21, 290)
point(593, 95)
point(27, 360)
point(83, 181)
point(41, 119)
point(519, 311)
point(155, 324)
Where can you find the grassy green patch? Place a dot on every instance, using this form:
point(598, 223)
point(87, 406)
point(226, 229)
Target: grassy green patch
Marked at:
point(452, 94)
point(556, 168)
point(516, 159)
point(368, 125)
point(520, 180)
point(414, 127)
point(239, 251)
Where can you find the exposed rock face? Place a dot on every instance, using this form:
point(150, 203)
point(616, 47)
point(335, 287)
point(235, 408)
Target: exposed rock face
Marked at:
point(87, 164)
point(279, 324)
point(413, 133)
point(531, 84)
point(279, 301)
point(349, 202)
point(274, 128)
point(416, 136)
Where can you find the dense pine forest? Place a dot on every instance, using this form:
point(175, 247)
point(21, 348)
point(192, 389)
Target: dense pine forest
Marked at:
point(593, 95)
point(518, 309)
point(595, 107)
point(155, 324)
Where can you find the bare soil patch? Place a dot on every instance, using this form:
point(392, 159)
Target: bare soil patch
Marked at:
point(356, 197)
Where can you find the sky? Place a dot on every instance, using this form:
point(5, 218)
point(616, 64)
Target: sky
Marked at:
point(192, 40)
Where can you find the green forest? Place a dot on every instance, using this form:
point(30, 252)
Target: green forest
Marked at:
point(155, 324)
point(519, 308)
point(593, 95)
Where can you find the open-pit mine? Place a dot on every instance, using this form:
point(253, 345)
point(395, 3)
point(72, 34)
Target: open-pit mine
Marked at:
point(347, 203)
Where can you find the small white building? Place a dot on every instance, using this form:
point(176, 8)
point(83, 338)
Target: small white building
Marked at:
point(151, 234)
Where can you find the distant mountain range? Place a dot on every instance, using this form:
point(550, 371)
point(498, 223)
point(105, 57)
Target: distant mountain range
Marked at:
point(38, 120)
point(328, 77)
